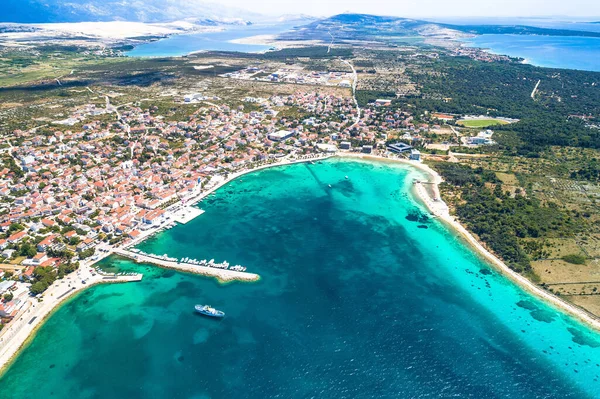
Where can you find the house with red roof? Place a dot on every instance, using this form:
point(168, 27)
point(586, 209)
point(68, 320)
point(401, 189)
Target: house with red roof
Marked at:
point(48, 222)
point(46, 243)
point(15, 238)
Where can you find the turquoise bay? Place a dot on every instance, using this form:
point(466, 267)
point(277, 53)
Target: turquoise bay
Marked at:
point(181, 45)
point(355, 301)
point(570, 52)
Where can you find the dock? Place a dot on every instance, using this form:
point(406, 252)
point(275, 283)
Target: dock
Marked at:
point(224, 275)
point(123, 279)
point(186, 213)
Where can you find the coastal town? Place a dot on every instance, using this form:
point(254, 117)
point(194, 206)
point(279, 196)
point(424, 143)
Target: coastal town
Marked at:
point(107, 175)
point(211, 205)
point(102, 179)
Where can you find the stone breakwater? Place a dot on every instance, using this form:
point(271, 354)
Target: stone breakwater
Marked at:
point(223, 275)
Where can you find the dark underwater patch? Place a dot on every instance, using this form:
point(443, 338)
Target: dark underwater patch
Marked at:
point(542, 315)
point(168, 274)
point(417, 216)
point(581, 338)
point(527, 305)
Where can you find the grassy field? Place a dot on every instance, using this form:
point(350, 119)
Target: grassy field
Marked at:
point(481, 122)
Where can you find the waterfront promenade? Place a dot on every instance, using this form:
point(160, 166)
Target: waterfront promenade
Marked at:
point(35, 311)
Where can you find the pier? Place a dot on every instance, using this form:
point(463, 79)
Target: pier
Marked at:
point(224, 275)
point(185, 214)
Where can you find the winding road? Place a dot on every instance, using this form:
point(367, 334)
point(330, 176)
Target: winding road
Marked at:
point(354, 83)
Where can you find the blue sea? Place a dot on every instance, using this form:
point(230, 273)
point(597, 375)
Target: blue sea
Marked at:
point(180, 45)
point(571, 52)
point(362, 295)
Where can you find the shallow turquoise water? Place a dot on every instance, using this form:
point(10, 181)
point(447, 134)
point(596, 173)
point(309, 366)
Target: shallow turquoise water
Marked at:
point(355, 301)
point(571, 52)
point(179, 45)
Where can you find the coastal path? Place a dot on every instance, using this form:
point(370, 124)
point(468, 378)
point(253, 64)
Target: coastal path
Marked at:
point(36, 311)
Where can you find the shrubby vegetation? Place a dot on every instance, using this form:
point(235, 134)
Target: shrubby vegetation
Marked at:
point(287, 53)
point(45, 276)
point(590, 171)
point(574, 259)
point(462, 86)
point(501, 220)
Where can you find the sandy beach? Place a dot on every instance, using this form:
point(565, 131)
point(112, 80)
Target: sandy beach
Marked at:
point(271, 40)
point(440, 210)
point(21, 330)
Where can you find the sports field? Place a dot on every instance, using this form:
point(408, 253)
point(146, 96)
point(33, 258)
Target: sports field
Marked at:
point(480, 122)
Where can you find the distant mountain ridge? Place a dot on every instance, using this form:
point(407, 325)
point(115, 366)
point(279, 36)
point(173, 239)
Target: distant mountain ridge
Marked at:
point(519, 30)
point(374, 27)
point(49, 11)
point(355, 26)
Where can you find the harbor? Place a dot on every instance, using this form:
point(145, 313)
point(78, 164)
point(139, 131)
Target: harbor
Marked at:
point(222, 271)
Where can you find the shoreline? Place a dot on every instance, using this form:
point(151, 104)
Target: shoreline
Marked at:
point(441, 211)
point(25, 334)
point(435, 205)
point(454, 225)
point(12, 347)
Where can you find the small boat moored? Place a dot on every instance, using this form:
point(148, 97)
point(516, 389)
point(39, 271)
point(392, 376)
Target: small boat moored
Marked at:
point(207, 310)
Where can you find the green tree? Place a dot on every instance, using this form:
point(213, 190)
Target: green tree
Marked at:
point(27, 250)
point(14, 227)
point(38, 287)
point(87, 253)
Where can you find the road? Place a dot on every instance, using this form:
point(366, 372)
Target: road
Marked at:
point(331, 43)
point(535, 89)
point(354, 84)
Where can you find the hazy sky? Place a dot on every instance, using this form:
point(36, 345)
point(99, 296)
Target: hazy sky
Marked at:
point(425, 8)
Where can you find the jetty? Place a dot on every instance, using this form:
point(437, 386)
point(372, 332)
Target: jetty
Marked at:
point(222, 274)
point(185, 214)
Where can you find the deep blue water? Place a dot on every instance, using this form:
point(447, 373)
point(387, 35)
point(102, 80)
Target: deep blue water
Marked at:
point(547, 51)
point(355, 301)
point(180, 45)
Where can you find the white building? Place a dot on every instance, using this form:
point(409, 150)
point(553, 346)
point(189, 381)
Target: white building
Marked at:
point(383, 102)
point(482, 138)
point(415, 155)
point(326, 147)
point(280, 135)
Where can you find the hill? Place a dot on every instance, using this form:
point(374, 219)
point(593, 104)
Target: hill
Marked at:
point(47, 11)
point(374, 27)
